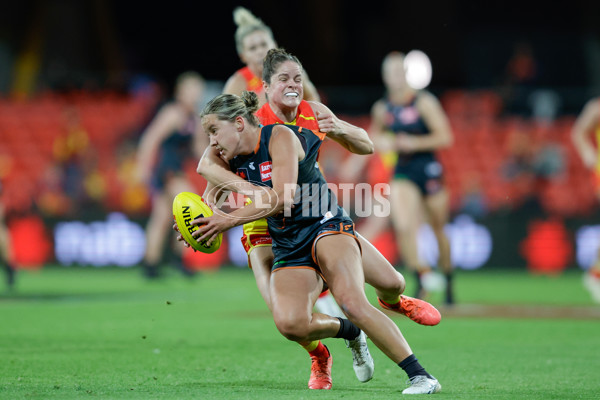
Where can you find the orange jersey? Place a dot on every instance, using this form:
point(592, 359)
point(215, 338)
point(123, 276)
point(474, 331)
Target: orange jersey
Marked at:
point(253, 82)
point(305, 117)
point(597, 170)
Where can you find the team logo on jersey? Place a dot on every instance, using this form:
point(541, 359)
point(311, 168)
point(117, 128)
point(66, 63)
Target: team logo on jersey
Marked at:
point(242, 173)
point(409, 115)
point(251, 165)
point(265, 171)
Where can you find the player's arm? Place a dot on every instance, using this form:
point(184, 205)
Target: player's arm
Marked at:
point(440, 132)
point(159, 129)
point(236, 84)
point(200, 140)
point(352, 137)
point(285, 150)
point(584, 125)
point(310, 91)
point(284, 175)
point(216, 171)
point(382, 139)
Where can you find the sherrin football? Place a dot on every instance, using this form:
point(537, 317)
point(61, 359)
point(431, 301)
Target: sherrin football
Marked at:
point(186, 208)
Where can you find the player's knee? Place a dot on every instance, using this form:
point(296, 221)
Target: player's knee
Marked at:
point(355, 309)
point(395, 283)
point(292, 327)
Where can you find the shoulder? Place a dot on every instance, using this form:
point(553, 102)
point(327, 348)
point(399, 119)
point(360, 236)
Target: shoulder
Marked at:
point(425, 96)
point(235, 84)
point(379, 107)
point(594, 104)
point(318, 106)
point(169, 112)
point(426, 101)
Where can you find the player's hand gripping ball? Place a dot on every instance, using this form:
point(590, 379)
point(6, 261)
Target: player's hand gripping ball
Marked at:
point(186, 208)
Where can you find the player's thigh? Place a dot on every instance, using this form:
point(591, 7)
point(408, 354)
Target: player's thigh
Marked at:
point(378, 271)
point(261, 260)
point(339, 258)
point(406, 201)
point(176, 184)
point(437, 207)
point(293, 294)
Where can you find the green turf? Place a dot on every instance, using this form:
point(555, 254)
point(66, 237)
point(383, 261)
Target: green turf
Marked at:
point(108, 334)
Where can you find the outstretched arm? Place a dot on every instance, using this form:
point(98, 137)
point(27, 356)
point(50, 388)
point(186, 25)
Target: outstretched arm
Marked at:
point(351, 137)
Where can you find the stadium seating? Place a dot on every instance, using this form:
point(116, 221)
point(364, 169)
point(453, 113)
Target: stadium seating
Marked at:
point(90, 128)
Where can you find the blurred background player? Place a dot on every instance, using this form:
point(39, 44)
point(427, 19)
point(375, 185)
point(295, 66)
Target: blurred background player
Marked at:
point(413, 123)
point(173, 137)
point(6, 249)
point(587, 125)
point(253, 39)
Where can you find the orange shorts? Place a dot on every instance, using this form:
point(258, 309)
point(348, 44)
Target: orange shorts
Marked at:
point(250, 241)
point(256, 234)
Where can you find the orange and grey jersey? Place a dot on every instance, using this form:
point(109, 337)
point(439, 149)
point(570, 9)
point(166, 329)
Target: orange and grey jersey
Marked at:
point(314, 203)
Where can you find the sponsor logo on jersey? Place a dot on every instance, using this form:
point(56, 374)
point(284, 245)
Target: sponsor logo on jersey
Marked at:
point(265, 171)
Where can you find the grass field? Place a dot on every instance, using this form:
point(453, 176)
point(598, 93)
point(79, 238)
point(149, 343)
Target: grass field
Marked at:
point(108, 334)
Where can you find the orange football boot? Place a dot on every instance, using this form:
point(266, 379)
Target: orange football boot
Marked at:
point(320, 371)
point(418, 310)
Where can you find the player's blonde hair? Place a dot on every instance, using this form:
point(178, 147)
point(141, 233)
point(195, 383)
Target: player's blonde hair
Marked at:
point(228, 107)
point(186, 77)
point(247, 23)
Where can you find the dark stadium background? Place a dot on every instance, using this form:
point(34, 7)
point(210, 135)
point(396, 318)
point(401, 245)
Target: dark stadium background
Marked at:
point(340, 42)
point(96, 45)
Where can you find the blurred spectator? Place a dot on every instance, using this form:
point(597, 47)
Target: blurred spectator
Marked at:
point(530, 166)
point(545, 104)
point(134, 195)
point(52, 200)
point(520, 77)
point(473, 201)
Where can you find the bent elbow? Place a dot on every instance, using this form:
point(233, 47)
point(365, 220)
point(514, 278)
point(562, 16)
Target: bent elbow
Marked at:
point(366, 147)
point(204, 167)
point(447, 142)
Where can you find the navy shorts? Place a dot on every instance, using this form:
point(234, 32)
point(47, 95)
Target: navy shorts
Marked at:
point(424, 171)
point(301, 253)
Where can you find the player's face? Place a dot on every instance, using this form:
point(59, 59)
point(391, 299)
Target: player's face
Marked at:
point(223, 136)
point(256, 45)
point(190, 93)
point(394, 73)
point(285, 89)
